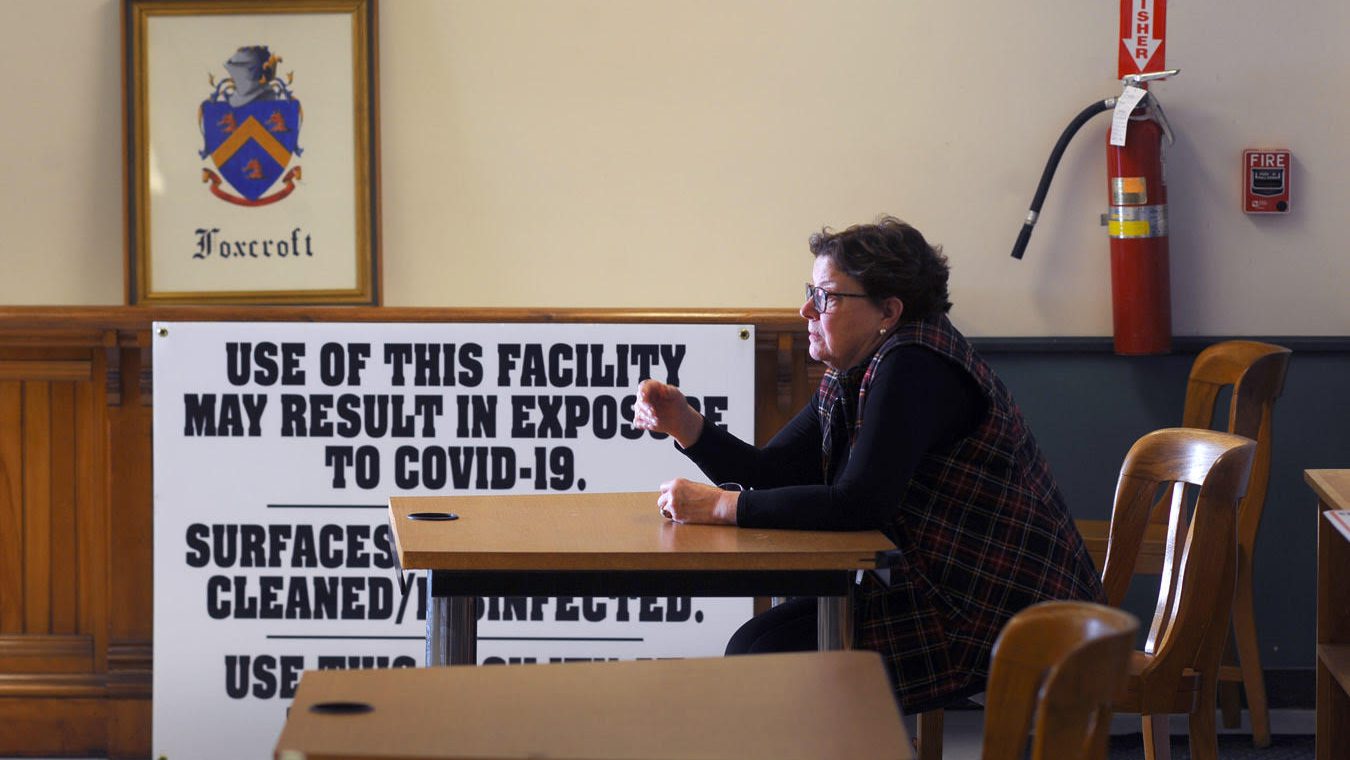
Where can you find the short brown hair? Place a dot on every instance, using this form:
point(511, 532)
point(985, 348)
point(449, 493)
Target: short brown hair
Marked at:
point(890, 258)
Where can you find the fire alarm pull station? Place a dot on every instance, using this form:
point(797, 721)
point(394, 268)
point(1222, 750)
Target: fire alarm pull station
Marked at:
point(1265, 181)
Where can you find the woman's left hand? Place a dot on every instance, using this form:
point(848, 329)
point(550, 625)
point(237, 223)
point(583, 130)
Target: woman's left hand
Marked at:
point(685, 501)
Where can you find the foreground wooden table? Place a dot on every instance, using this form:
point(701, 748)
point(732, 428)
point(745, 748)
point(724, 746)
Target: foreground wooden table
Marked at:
point(1333, 615)
point(611, 545)
point(816, 705)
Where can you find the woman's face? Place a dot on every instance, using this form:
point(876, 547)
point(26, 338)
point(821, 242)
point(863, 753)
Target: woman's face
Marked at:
point(850, 328)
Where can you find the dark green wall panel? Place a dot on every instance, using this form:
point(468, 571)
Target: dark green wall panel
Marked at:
point(1087, 407)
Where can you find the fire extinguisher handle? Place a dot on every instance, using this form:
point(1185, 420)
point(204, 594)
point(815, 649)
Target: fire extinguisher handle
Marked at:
point(1152, 76)
point(1160, 116)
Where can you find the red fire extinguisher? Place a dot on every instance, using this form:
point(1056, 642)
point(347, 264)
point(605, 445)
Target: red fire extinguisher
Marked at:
point(1136, 223)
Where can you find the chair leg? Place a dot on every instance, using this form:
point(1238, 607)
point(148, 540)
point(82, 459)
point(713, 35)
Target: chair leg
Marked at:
point(1157, 737)
point(930, 735)
point(1249, 659)
point(1204, 733)
point(1230, 704)
point(1230, 697)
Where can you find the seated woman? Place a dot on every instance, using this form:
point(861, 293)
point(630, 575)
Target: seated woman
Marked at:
point(912, 434)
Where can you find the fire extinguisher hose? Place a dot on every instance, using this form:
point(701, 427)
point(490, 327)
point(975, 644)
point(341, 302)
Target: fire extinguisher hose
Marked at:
point(1051, 164)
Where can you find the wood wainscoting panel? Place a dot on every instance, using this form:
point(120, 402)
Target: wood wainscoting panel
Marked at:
point(11, 507)
point(53, 564)
point(76, 497)
point(51, 503)
point(129, 592)
point(68, 726)
point(65, 560)
point(36, 434)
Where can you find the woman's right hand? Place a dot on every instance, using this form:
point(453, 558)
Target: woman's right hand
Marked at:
point(663, 408)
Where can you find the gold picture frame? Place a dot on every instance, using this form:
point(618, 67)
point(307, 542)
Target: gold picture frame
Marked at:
point(252, 159)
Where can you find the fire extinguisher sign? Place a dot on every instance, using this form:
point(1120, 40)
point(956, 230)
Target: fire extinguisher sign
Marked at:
point(1143, 32)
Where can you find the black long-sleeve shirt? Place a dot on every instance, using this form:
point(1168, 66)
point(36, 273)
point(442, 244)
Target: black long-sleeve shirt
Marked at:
point(918, 401)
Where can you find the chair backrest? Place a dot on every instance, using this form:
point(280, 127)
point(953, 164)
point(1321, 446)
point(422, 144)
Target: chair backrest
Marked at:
point(1060, 663)
point(1255, 371)
point(1195, 596)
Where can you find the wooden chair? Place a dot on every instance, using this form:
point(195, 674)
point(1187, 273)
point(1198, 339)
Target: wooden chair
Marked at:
point(1060, 663)
point(1178, 670)
point(1255, 372)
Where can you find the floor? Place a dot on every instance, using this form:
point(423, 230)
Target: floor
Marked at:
point(961, 740)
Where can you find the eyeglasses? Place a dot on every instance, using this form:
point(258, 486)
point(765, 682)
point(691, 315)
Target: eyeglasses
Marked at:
point(820, 297)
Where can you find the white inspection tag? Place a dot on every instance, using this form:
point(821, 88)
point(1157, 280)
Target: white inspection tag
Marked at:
point(1124, 107)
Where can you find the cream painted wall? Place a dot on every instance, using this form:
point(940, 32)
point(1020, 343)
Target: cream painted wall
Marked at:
point(634, 153)
point(61, 155)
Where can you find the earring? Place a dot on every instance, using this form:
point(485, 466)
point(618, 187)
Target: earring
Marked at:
point(882, 331)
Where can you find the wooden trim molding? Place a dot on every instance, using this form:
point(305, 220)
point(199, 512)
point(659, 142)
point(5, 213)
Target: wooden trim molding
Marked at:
point(44, 655)
point(49, 685)
point(73, 319)
point(131, 655)
point(46, 371)
point(112, 354)
point(144, 378)
point(25, 645)
point(129, 670)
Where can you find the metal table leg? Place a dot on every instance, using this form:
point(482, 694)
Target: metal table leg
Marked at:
point(438, 624)
point(463, 630)
point(834, 621)
point(452, 628)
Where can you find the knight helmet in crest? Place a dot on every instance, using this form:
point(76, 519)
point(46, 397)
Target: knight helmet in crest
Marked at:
point(250, 126)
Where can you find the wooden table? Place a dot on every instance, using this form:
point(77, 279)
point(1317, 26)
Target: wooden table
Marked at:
point(816, 705)
point(612, 545)
point(1333, 615)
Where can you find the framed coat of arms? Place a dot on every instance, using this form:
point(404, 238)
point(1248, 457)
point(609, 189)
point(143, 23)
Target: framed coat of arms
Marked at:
point(252, 161)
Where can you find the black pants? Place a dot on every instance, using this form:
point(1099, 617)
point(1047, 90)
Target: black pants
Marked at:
point(788, 627)
point(791, 627)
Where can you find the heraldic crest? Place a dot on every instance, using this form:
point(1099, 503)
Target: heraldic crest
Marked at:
point(251, 128)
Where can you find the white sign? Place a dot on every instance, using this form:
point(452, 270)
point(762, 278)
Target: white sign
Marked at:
point(1120, 118)
point(277, 446)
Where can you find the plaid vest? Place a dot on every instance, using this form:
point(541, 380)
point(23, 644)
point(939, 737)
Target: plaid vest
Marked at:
point(983, 532)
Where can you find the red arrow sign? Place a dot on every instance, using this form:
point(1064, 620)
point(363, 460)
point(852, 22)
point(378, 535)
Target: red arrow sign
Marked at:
point(1143, 31)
